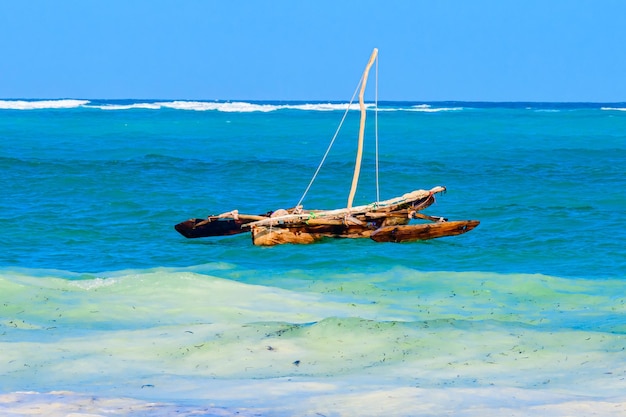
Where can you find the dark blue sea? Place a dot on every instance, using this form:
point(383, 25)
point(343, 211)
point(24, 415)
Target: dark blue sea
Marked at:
point(105, 310)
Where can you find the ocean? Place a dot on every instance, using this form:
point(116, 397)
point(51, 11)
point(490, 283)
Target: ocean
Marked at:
point(105, 310)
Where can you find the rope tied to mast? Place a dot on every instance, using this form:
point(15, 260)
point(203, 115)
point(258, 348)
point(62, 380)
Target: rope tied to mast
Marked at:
point(361, 84)
point(330, 145)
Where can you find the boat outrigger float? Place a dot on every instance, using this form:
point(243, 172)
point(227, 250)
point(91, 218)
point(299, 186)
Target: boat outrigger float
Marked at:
point(382, 221)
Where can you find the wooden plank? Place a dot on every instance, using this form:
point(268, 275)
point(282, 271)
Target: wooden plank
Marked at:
point(410, 233)
point(219, 225)
point(394, 204)
point(195, 228)
point(270, 236)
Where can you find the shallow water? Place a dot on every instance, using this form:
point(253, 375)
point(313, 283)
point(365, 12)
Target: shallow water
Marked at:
point(106, 310)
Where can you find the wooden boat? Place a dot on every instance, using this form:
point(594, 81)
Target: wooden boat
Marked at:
point(355, 222)
point(225, 224)
point(382, 221)
point(410, 233)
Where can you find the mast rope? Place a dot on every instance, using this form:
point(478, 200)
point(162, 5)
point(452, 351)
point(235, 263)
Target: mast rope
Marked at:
point(360, 85)
point(331, 144)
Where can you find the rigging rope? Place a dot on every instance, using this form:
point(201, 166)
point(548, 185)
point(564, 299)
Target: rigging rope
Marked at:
point(337, 133)
point(330, 145)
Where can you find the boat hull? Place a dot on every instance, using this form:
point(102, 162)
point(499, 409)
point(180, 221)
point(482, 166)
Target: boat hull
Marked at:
point(305, 234)
point(412, 233)
point(271, 236)
point(397, 233)
point(196, 228)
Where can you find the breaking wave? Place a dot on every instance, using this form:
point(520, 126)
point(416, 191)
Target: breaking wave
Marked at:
point(40, 104)
point(220, 106)
point(613, 108)
point(233, 106)
point(427, 108)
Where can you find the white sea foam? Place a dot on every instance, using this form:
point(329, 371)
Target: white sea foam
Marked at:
point(324, 106)
point(289, 397)
point(246, 107)
point(220, 106)
point(237, 106)
point(93, 284)
point(40, 104)
point(149, 106)
point(426, 108)
point(613, 108)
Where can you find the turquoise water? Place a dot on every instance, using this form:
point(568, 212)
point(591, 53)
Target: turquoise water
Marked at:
point(106, 310)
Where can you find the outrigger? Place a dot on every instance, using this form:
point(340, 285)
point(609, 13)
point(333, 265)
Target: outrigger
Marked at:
point(382, 221)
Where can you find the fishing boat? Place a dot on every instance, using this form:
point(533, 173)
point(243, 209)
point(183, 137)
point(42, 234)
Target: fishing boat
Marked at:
point(382, 221)
point(225, 224)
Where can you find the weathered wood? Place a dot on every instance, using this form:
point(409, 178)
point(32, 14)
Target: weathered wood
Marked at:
point(359, 222)
point(383, 221)
point(325, 222)
point(416, 200)
point(195, 228)
point(410, 233)
point(402, 232)
point(359, 152)
point(251, 217)
point(317, 229)
point(378, 215)
point(225, 224)
point(416, 215)
point(271, 235)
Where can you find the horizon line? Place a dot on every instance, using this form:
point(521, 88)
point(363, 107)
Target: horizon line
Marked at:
point(222, 100)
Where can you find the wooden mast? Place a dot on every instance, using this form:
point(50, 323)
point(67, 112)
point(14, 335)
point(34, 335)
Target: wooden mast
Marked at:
point(359, 155)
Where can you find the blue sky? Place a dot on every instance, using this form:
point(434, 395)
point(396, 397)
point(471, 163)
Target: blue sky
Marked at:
point(482, 50)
